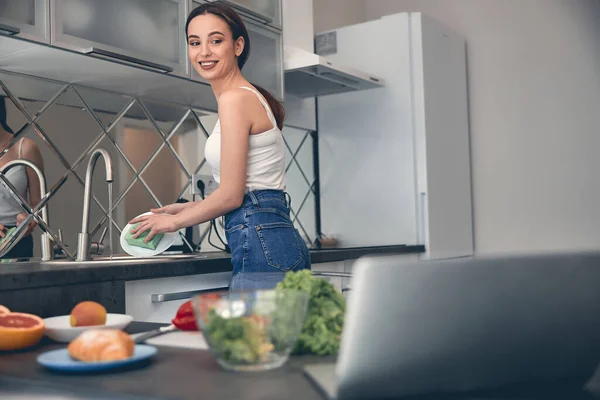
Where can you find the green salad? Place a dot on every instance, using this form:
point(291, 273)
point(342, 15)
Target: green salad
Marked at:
point(322, 331)
point(249, 339)
point(239, 339)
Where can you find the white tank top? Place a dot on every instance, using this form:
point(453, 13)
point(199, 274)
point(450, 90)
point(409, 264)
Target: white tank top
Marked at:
point(266, 154)
point(9, 207)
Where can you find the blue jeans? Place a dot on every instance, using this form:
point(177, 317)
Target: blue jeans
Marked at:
point(262, 237)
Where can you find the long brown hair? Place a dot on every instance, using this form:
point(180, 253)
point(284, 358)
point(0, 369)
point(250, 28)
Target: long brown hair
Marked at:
point(238, 29)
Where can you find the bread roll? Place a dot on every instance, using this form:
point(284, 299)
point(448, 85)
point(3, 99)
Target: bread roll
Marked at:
point(101, 345)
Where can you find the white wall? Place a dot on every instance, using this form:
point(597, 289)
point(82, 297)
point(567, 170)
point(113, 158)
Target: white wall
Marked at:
point(534, 89)
point(332, 14)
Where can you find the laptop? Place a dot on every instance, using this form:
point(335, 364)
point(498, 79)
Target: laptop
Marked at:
point(460, 325)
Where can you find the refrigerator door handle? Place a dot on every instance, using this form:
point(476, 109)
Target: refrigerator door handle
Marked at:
point(422, 217)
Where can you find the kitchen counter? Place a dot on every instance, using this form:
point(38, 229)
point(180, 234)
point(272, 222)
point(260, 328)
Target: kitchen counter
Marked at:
point(35, 274)
point(176, 373)
point(53, 288)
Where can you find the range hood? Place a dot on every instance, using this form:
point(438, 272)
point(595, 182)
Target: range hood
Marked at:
point(310, 75)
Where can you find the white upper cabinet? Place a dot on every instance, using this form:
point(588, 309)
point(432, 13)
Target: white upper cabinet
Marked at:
point(25, 18)
point(145, 33)
point(264, 11)
point(264, 67)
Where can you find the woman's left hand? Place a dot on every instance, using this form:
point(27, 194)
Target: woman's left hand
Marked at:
point(155, 223)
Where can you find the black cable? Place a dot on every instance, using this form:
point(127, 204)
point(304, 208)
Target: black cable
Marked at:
point(227, 248)
point(212, 225)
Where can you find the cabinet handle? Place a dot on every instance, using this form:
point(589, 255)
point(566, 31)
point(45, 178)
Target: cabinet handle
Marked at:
point(123, 57)
point(9, 30)
point(161, 298)
point(333, 274)
point(248, 11)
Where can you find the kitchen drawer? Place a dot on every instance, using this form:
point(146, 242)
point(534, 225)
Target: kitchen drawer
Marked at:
point(144, 33)
point(264, 11)
point(149, 299)
point(334, 267)
point(346, 282)
point(29, 19)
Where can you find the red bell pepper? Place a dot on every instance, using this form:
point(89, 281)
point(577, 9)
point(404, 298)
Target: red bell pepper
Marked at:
point(185, 319)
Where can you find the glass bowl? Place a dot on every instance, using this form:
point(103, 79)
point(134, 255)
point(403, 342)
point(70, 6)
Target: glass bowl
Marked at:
point(253, 330)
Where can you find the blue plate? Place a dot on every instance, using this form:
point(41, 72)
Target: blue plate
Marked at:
point(60, 360)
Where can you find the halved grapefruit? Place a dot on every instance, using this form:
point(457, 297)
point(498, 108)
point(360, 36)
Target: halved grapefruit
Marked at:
point(3, 309)
point(20, 330)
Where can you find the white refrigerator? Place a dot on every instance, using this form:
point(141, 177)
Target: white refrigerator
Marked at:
point(395, 161)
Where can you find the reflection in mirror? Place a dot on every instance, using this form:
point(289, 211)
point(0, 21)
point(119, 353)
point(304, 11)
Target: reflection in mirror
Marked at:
point(165, 176)
point(122, 172)
point(188, 141)
point(33, 93)
point(305, 219)
point(190, 149)
point(208, 121)
point(166, 116)
point(136, 136)
point(54, 168)
point(21, 179)
point(304, 158)
point(69, 126)
point(96, 237)
point(300, 179)
point(18, 238)
point(17, 242)
point(106, 106)
point(66, 209)
point(155, 148)
point(296, 186)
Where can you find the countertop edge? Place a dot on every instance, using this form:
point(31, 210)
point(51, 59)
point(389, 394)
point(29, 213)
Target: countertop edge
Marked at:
point(37, 275)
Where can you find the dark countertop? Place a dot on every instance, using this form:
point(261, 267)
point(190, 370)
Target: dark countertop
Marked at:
point(27, 275)
point(176, 373)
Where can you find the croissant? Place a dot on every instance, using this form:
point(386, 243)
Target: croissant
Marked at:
point(101, 345)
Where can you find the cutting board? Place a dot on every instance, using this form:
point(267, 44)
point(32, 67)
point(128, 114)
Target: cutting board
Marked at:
point(190, 340)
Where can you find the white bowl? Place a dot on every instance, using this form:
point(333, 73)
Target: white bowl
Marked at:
point(59, 328)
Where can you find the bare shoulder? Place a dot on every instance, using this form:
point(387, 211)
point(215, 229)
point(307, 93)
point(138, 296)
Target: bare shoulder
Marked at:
point(234, 98)
point(29, 146)
point(31, 151)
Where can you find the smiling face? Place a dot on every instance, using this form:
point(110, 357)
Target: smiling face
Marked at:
point(212, 48)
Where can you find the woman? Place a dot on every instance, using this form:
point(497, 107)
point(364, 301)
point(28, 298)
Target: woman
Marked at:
point(245, 151)
point(24, 179)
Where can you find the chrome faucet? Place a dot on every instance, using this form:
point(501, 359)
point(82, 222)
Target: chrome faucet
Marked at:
point(83, 244)
point(47, 250)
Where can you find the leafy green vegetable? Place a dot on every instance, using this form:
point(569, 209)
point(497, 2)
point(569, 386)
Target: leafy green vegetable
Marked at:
point(322, 329)
point(237, 340)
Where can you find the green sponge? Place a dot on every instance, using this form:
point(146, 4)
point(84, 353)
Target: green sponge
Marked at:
point(7, 235)
point(139, 241)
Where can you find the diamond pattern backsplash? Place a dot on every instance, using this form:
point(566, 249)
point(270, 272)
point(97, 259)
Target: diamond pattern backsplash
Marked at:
point(155, 149)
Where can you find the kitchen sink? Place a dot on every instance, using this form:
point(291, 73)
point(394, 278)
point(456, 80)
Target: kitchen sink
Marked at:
point(127, 259)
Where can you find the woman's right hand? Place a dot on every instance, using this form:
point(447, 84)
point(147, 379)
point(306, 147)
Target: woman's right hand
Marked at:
point(2, 231)
point(172, 209)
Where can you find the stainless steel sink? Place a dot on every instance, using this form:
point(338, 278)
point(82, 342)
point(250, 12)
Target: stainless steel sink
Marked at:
point(127, 259)
point(161, 256)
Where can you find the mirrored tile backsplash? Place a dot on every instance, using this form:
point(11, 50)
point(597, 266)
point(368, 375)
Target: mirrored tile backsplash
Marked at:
point(156, 148)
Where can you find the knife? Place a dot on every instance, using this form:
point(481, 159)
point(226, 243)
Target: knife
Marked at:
point(155, 332)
